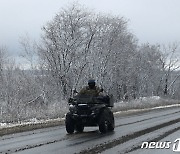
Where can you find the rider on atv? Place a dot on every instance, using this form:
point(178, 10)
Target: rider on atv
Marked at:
point(90, 108)
point(91, 89)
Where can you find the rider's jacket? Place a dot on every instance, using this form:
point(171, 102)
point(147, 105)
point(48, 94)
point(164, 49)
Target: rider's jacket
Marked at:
point(90, 91)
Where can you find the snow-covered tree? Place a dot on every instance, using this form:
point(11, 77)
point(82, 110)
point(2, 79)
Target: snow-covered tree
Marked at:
point(171, 65)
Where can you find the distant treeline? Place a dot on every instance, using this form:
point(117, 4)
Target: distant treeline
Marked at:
point(78, 44)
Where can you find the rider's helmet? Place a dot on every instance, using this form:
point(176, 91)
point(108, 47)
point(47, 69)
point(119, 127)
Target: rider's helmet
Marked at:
point(91, 83)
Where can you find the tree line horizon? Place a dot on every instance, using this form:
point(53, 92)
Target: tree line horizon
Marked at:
point(78, 44)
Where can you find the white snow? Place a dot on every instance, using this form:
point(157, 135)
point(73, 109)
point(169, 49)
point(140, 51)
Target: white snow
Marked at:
point(145, 103)
point(141, 104)
point(29, 122)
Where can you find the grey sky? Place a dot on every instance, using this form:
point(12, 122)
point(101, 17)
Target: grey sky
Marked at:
point(153, 21)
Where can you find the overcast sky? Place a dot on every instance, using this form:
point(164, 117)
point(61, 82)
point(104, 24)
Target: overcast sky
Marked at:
point(153, 21)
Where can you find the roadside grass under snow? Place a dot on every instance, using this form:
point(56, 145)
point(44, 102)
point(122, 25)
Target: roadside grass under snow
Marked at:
point(145, 103)
point(141, 104)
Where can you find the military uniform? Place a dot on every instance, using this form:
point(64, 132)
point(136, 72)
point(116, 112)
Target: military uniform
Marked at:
point(90, 91)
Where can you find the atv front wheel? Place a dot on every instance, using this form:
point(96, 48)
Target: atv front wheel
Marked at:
point(103, 122)
point(69, 124)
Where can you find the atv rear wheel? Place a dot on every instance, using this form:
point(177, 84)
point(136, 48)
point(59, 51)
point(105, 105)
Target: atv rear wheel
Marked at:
point(111, 124)
point(69, 124)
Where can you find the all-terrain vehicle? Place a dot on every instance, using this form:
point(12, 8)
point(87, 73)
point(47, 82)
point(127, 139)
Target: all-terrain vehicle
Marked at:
point(89, 111)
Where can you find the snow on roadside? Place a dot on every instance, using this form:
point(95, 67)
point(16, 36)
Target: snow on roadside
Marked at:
point(141, 104)
point(144, 103)
point(29, 122)
point(147, 109)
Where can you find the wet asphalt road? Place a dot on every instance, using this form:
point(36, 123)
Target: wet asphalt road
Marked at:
point(130, 131)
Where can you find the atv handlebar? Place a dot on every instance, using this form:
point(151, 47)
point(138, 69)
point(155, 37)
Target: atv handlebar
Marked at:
point(91, 100)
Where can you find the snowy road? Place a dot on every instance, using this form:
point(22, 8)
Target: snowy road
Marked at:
point(130, 132)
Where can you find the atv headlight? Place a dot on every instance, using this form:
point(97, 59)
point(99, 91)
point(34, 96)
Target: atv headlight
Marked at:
point(72, 108)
